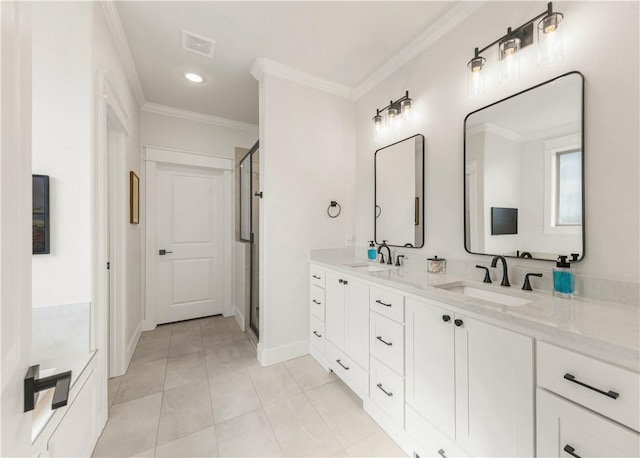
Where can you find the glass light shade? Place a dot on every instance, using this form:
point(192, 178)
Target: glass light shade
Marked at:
point(406, 105)
point(475, 77)
point(509, 60)
point(378, 123)
point(392, 112)
point(550, 39)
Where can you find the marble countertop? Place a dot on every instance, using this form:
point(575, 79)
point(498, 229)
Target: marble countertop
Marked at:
point(604, 330)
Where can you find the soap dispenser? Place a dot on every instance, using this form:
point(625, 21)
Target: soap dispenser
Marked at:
point(563, 278)
point(372, 254)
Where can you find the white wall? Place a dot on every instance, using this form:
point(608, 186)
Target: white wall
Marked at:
point(188, 135)
point(307, 147)
point(436, 80)
point(106, 58)
point(63, 116)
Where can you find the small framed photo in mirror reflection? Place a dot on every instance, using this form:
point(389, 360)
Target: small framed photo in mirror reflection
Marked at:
point(504, 221)
point(41, 214)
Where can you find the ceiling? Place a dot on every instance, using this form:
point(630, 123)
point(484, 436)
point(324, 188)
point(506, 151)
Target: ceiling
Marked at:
point(343, 42)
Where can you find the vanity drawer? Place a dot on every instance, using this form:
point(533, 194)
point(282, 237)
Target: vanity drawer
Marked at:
point(387, 303)
point(317, 276)
point(564, 427)
point(387, 390)
point(317, 302)
point(317, 333)
point(347, 369)
point(577, 377)
point(387, 342)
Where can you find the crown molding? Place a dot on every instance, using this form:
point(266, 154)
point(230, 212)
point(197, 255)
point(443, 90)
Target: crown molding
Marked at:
point(122, 46)
point(451, 19)
point(198, 117)
point(263, 65)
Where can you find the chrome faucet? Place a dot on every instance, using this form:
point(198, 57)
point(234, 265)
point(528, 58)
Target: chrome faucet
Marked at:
point(505, 274)
point(384, 245)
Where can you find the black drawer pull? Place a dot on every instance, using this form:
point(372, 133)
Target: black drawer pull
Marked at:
point(316, 333)
point(571, 451)
point(343, 366)
point(384, 341)
point(388, 393)
point(458, 322)
point(317, 278)
point(441, 453)
point(571, 378)
point(378, 301)
point(316, 302)
point(446, 318)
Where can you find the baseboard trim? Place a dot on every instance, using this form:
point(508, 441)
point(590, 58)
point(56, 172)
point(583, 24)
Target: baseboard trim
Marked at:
point(239, 318)
point(133, 343)
point(271, 356)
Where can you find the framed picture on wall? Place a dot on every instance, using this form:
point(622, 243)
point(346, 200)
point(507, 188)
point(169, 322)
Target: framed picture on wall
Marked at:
point(41, 214)
point(134, 198)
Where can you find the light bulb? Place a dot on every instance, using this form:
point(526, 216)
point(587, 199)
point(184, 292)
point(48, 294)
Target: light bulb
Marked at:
point(475, 78)
point(550, 39)
point(509, 60)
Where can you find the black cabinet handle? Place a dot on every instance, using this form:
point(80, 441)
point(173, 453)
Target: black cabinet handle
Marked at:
point(446, 318)
point(384, 341)
point(316, 302)
point(458, 322)
point(378, 301)
point(33, 384)
point(345, 282)
point(164, 252)
point(316, 333)
point(388, 393)
point(571, 451)
point(441, 453)
point(316, 277)
point(343, 366)
point(572, 379)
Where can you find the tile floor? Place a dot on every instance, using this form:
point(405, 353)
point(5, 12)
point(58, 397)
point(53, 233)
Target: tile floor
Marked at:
point(195, 389)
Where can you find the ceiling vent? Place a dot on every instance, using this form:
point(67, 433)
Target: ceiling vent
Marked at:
point(198, 44)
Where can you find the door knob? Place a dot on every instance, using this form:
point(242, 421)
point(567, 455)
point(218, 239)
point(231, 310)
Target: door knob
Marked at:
point(163, 252)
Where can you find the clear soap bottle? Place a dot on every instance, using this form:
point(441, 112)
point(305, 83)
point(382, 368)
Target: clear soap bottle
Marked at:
point(563, 278)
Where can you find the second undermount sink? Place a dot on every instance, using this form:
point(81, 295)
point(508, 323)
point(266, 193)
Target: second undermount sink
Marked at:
point(486, 293)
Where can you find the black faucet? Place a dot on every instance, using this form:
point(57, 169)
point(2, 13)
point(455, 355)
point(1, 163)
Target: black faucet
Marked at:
point(527, 285)
point(505, 274)
point(384, 245)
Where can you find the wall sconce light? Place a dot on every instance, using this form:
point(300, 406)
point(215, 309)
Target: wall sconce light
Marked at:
point(509, 46)
point(387, 118)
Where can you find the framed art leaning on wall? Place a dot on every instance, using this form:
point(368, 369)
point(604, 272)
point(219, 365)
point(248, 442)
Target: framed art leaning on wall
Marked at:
point(134, 198)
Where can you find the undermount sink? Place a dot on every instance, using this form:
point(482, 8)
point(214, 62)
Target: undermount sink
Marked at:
point(488, 294)
point(368, 267)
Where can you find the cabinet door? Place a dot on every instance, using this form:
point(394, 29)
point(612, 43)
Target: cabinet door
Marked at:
point(494, 390)
point(334, 310)
point(429, 361)
point(357, 322)
point(564, 427)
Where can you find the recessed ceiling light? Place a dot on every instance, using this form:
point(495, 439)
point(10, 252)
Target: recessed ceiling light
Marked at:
point(194, 77)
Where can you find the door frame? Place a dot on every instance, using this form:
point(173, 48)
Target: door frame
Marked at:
point(108, 320)
point(154, 155)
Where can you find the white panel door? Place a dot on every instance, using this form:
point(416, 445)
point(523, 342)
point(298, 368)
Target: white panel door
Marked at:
point(430, 364)
point(356, 316)
point(190, 228)
point(15, 225)
point(494, 390)
point(334, 310)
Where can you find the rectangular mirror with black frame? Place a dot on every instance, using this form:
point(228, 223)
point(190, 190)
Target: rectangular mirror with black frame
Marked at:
point(524, 173)
point(399, 193)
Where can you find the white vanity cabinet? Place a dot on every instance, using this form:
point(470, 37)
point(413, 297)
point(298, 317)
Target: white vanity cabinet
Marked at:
point(347, 329)
point(586, 407)
point(471, 380)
